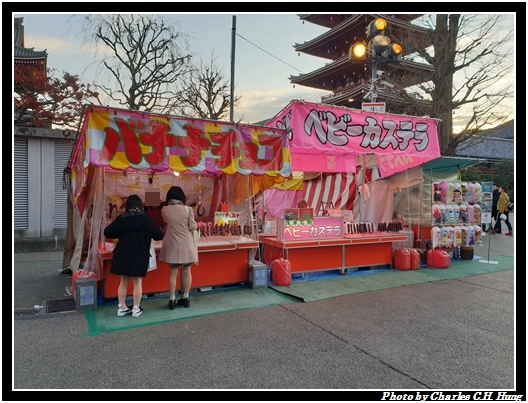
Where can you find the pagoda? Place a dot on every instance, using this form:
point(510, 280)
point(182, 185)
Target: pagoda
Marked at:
point(349, 82)
point(27, 56)
point(35, 61)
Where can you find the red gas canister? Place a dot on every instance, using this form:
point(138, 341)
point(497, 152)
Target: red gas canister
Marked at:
point(438, 259)
point(402, 259)
point(281, 272)
point(415, 259)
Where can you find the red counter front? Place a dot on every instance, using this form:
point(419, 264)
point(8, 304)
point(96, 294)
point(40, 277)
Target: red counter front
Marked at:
point(220, 263)
point(422, 233)
point(354, 250)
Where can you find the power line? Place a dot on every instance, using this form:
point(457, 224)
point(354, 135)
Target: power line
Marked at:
point(269, 53)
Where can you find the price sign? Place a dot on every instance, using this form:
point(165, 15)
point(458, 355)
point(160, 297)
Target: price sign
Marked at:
point(373, 106)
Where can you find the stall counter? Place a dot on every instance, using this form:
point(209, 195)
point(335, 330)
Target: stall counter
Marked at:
point(220, 263)
point(353, 250)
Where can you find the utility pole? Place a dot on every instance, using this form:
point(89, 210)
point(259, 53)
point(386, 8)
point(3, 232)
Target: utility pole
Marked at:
point(233, 37)
point(374, 79)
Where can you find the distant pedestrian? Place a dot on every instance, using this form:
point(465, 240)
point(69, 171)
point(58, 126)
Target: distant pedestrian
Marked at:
point(135, 231)
point(502, 209)
point(178, 247)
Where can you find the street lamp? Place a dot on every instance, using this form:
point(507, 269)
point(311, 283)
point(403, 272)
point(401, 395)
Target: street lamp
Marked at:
point(378, 49)
point(358, 51)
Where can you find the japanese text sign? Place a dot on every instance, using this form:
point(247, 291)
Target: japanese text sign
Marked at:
point(316, 229)
point(316, 131)
point(122, 139)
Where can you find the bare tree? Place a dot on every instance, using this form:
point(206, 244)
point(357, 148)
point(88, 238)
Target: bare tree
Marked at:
point(205, 92)
point(475, 51)
point(146, 59)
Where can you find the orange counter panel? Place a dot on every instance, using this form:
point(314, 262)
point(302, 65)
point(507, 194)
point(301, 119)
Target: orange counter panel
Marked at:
point(355, 250)
point(368, 254)
point(219, 264)
point(315, 259)
point(156, 281)
point(306, 255)
point(219, 268)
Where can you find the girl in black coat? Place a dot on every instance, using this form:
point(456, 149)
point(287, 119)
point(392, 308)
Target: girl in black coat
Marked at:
point(135, 231)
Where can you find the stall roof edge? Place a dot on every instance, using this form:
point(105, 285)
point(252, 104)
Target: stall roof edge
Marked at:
point(446, 164)
point(259, 125)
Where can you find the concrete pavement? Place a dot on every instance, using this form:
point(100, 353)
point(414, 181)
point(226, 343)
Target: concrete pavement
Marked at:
point(445, 335)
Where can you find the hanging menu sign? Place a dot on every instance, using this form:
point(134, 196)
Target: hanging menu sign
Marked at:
point(227, 217)
point(316, 228)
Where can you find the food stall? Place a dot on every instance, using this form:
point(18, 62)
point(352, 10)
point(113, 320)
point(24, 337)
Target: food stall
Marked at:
point(322, 243)
point(336, 140)
point(218, 165)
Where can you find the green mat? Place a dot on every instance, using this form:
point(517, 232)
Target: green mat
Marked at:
point(104, 318)
point(228, 299)
point(372, 280)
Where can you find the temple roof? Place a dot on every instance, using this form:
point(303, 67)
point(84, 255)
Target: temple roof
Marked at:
point(491, 143)
point(336, 42)
point(331, 20)
point(29, 53)
point(343, 72)
point(353, 97)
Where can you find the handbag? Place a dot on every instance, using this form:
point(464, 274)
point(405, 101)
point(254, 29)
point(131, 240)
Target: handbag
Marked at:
point(196, 237)
point(152, 259)
point(195, 234)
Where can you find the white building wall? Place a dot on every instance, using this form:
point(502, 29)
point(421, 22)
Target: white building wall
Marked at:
point(43, 147)
point(47, 178)
point(34, 187)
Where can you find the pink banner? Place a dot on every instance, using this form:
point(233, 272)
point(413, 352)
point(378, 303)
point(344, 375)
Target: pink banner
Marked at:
point(122, 139)
point(327, 138)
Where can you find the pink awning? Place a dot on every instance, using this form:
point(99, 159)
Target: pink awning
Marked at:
point(327, 138)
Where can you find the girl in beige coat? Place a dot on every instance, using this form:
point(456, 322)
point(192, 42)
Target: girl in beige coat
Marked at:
point(178, 245)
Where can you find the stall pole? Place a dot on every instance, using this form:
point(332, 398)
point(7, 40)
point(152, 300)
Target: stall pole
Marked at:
point(487, 260)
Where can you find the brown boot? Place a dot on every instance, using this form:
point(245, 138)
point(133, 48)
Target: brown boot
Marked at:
point(510, 233)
